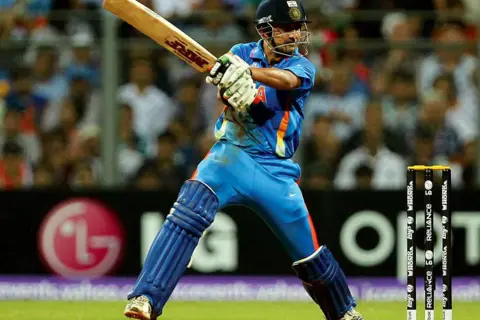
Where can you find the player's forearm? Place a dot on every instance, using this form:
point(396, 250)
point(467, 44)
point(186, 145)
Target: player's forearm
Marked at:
point(276, 78)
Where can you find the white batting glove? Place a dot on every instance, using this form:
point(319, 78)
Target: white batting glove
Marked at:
point(241, 93)
point(233, 73)
point(227, 70)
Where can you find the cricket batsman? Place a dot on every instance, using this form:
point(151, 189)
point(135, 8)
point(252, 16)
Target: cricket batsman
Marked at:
point(264, 86)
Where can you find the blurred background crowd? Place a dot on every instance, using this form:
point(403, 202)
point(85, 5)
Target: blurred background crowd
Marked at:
point(397, 84)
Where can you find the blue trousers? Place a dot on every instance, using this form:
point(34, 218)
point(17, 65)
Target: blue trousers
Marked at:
point(269, 187)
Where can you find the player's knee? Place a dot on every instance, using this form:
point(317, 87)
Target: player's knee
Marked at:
point(195, 208)
point(320, 265)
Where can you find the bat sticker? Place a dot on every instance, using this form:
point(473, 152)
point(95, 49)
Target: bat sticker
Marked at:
point(181, 48)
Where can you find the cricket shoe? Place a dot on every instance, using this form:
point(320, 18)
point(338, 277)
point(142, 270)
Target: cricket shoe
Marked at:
point(352, 315)
point(139, 308)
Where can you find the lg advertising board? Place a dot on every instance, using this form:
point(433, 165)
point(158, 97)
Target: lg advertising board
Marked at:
point(93, 234)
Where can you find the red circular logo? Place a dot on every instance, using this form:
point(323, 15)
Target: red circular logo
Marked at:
point(81, 238)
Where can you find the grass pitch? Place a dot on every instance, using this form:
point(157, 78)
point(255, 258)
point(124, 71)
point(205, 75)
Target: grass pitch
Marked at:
point(38, 310)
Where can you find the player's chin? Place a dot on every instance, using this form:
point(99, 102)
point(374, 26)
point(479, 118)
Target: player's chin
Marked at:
point(289, 49)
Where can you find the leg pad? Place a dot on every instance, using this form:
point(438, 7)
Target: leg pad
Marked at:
point(192, 213)
point(326, 283)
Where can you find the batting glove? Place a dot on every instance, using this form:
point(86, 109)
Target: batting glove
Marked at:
point(241, 93)
point(227, 70)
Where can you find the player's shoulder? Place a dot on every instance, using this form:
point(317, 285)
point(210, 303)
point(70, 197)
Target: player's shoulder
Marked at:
point(298, 60)
point(243, 50)
point(302, 68)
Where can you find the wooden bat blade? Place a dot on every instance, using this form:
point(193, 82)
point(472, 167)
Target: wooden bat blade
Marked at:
point(162, 31)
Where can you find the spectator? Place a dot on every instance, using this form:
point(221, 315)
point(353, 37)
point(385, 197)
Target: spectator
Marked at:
point(188, 111)
point(173, 10)
point(148, 178)
point(188, 145)
point(472, 11)
point(400, 103)
point(15, 172)
point(163, 71)
point(88, 145)
point(322, 146)
point(85, 99)
point(462, 116)
point(130, 157)
point(424, 153)
point(388, 167)
point(52, 109)
point(12, 132)
point(397, 31)
point(317, 177)
point(338, 7)
point(48, 81)
point(170, 167)
point(152, 109)
point(323, 37)
point(83, 176)
point(395, 141)
point(209, 105)
point(433, 114)
point(44, 176)
point(24, 99)
point(83, 16)
point(55, 154)
point(68, 125)
point(7, 20)
point(216, 27)
point(82, 60)
point(352, 54)
point(414, 8)
point(370, 28)
point(19, 18)
point(454, 60)
point(462, 112)
point(364, 177)
point(344, 109)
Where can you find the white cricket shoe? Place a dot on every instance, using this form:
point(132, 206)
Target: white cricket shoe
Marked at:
point(139, 308)
point(352, 315)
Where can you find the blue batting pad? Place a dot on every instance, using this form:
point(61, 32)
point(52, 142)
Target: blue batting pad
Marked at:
point(170, 253)
point(326, 283)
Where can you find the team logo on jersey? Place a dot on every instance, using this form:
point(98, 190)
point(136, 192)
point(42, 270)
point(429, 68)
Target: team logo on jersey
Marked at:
point(295, 13)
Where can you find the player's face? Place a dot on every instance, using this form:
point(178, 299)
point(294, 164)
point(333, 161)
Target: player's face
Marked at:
point(287, 37)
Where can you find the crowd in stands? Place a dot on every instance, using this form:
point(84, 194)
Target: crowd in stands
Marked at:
point(394, 86)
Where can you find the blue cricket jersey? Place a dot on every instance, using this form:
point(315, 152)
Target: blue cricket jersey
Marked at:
point(273, 127)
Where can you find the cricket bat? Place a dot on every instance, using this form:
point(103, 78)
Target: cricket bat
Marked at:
point(163, 32)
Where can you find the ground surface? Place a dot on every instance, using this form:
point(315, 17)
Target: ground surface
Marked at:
point(214, 311)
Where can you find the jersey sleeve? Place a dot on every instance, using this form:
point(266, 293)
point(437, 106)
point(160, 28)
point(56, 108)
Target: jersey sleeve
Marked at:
point(305, 70)
point(239, 50)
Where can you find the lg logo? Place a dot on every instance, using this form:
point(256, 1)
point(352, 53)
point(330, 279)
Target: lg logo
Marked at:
point(216, 251)
point(81, 238)
point(389, 239)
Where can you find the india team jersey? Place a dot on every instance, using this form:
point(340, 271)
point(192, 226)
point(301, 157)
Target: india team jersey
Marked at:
point(272, 128)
